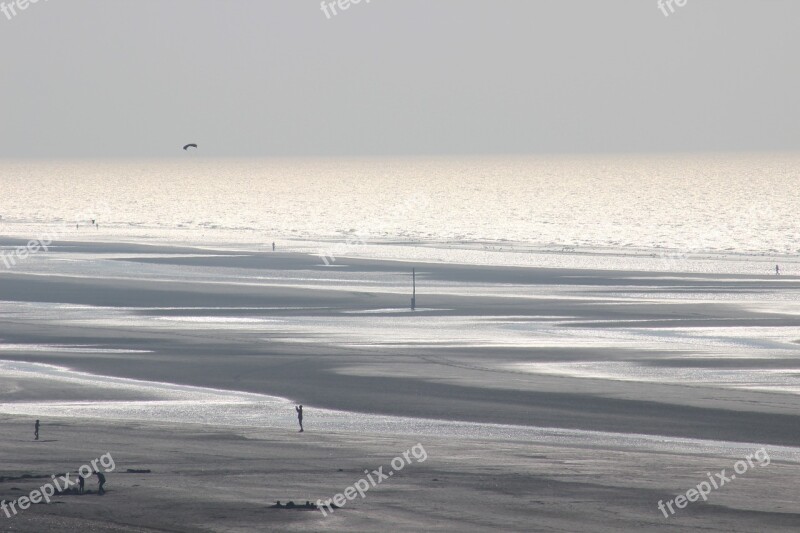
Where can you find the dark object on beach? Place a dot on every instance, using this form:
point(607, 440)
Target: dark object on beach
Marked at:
point(299, 409)
point(303, 507)
point(192, 145)
point(26, 476)
point(273, 246)
point(81, 483)
point(135, 471)
point(101, 480)
point(36, 431)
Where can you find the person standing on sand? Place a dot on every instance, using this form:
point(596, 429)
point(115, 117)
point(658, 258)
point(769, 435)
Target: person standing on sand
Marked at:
point(777, 270)
point(81, 482)
point(273, 246)
point(36, 431)
point(101, 480)
point(299, 410)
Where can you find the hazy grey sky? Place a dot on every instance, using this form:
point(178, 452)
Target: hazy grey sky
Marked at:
point(276, 77)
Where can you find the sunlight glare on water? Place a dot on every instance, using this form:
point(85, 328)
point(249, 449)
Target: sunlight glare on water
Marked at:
point(723, 203)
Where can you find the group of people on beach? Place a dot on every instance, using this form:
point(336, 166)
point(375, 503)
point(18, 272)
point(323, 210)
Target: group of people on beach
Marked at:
point(101, 478)
point(94, 223)
point(101, 481)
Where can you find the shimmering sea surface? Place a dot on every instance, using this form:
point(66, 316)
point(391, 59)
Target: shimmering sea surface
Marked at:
point(675, 205)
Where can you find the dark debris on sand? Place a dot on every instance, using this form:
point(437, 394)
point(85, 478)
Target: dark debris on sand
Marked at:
point(298, 507)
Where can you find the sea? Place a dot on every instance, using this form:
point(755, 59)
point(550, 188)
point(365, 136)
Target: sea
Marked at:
point(467, 209)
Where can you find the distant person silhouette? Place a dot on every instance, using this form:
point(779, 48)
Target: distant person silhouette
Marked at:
point(101, 480)
point(36, 431)
point(299, 410)
point(81, 483)
point(777, 270)
point(273, 246)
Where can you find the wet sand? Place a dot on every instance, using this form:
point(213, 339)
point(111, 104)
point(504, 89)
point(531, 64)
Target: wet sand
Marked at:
point(207, 479)
point(249, 322)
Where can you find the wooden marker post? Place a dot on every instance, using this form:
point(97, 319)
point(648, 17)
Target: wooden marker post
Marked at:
point(414, 288)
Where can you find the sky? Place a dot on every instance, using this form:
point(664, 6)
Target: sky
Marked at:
point(140, 78)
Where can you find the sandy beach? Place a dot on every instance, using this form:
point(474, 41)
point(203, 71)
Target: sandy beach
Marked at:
point(412, 266)
point(546, 399)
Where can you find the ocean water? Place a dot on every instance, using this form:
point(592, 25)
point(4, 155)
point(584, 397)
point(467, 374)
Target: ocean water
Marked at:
point(672, 205)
